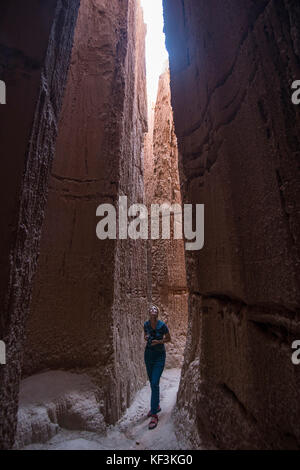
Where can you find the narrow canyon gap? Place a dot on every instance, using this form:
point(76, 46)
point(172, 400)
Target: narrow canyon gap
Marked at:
point(232, 64)
point(166, 261)
point(90, 297)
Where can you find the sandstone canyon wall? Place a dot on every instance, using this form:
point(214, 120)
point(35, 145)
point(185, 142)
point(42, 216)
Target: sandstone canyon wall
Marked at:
point(90, 294)
point(232, 64)
point(130, 307)
point(167, 266)
point(35, 47)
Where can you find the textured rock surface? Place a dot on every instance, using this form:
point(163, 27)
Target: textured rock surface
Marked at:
point(232, 64)
point(35, 47)
point(130, 306)
point(168, 277)
point(89, 295)
point(54, 400)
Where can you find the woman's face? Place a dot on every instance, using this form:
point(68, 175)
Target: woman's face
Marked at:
point(153, 312)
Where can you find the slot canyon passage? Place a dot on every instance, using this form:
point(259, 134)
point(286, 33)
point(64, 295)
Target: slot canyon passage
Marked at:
point(76, 133)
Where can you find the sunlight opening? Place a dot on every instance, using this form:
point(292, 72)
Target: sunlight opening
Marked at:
point(157, 58)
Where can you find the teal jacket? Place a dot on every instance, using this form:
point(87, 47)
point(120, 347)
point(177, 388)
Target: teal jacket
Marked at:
point(159, 332)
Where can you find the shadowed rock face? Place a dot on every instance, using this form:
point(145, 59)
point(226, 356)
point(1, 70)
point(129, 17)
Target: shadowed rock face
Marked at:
point(168, 277)
point(232, 64)
point(53, 400)
point(90, 295)
point(35, 46)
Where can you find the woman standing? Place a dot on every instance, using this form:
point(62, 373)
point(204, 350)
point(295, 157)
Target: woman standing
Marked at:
point(156, 334)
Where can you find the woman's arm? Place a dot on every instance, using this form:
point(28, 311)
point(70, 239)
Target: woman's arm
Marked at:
point(146, 334)
point(167, 338)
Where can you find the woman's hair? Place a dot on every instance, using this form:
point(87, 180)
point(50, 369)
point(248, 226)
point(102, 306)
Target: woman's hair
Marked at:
point(154, 307)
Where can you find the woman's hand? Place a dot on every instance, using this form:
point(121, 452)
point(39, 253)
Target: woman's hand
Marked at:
point(157, 341)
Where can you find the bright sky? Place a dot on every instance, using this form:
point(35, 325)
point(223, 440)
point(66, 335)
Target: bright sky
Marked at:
point(156, 53)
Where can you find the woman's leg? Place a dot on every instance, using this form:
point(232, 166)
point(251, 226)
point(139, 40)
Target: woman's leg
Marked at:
point(157, 370)
point(148, 356)
point(149, 363)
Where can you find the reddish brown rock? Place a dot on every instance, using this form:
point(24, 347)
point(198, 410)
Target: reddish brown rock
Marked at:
point(130, 308)
point(232, 65)
point(168, 277)
point(35, 47)
point(90, 295)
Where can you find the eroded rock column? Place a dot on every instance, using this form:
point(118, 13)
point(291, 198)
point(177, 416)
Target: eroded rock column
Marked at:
point(89, 294)
point(232, 65)
point(35, 46)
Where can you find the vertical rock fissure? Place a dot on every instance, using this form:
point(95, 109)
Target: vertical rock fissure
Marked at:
point(167, 270)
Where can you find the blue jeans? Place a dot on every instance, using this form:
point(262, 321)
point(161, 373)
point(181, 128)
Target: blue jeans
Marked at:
point(155, 363)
